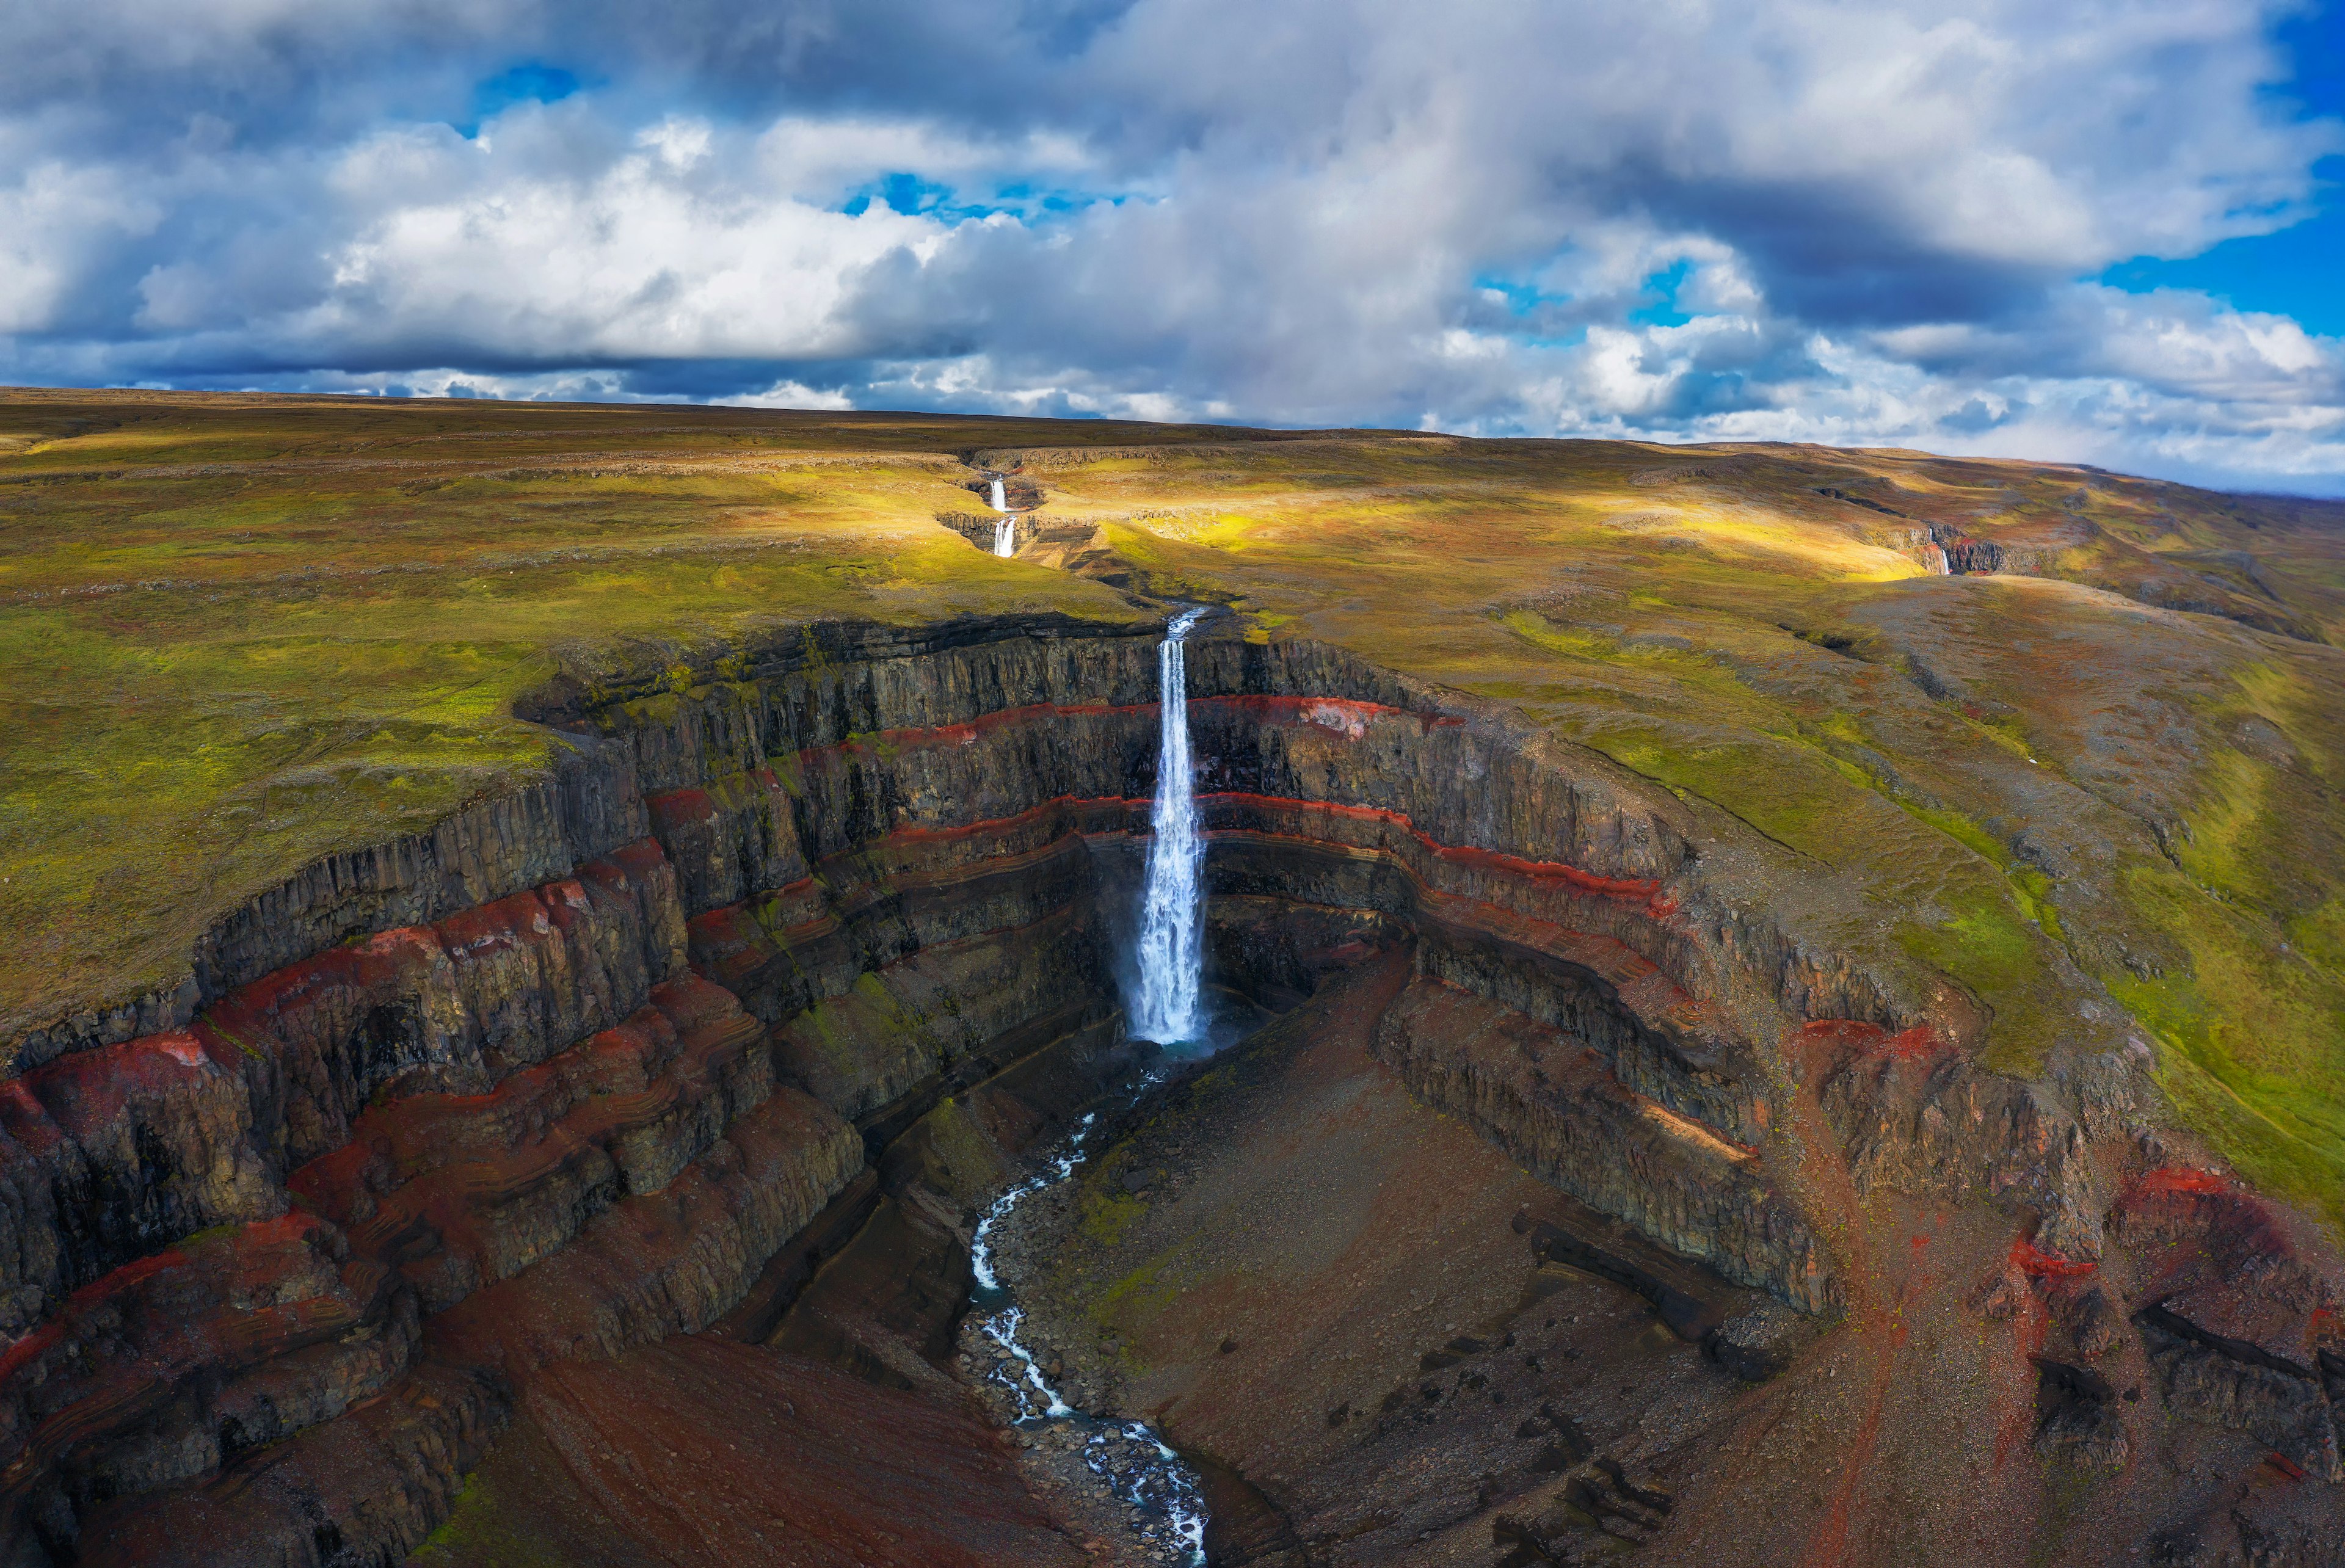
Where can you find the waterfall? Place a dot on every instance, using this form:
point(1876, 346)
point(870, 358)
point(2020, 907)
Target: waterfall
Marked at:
point(1005, 527)
point(1166, 1007)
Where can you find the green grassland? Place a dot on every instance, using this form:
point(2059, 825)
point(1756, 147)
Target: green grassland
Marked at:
point(243, 631)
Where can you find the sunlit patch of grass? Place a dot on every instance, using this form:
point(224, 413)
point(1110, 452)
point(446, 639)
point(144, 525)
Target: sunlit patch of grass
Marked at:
point(224, 675)
point(2254, 1043)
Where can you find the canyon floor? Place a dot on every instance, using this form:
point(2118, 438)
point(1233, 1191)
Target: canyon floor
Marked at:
point(1793, 999)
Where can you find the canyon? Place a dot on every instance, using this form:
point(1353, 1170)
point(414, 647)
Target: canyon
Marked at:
point(1578, 1167)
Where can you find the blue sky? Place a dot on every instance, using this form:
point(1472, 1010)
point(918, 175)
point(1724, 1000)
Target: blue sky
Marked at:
point(2298, 271)
point(2110, 231)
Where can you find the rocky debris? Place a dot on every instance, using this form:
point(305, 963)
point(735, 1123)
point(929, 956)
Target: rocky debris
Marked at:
point(716, 1451)
point(2077, 1419)
point(1375, 1423)
point(1757, 1344)
point(2290, 1414)
point(2093, 1324)
point(753, 1319)
point(2091, 1436)
point(1596, 1501)
point(1917, 1117)
point(2237, 1538)
point(1057, 1459)
point(1688, 1317)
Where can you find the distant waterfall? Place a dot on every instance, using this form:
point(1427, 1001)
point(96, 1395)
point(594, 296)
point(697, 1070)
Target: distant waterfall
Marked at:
point(1166, 1007)
point(1005, 527)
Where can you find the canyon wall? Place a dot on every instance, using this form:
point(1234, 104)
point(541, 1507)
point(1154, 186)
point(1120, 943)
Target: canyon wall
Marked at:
point(279, 1246)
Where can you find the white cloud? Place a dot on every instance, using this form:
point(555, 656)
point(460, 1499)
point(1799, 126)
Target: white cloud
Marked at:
point(790, 395)
point(640, 260)
point(1873, 214)
point(53, 219)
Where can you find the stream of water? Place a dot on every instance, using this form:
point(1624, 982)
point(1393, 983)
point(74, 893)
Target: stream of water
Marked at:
point(1167, 1007)
point(1127, 1455)
point(1165, 1002)
point(1005, 527)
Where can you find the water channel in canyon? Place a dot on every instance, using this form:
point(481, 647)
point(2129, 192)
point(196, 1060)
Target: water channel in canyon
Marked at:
point(1167, 1007)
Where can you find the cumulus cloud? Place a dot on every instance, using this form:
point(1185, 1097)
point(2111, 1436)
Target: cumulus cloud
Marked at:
point(1796, 219)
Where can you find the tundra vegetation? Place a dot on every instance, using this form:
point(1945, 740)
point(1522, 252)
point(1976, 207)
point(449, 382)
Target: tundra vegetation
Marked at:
point(2092, 770)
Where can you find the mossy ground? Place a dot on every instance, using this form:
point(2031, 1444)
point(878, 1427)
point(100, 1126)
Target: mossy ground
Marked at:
point(244, 631)
point(482, 1533)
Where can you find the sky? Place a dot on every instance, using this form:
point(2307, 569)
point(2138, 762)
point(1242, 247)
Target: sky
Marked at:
point(2106, 231)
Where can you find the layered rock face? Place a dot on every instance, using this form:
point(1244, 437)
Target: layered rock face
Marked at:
point(565, 1078)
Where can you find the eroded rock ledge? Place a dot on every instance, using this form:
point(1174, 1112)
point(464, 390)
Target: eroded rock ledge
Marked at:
point(562, 1076)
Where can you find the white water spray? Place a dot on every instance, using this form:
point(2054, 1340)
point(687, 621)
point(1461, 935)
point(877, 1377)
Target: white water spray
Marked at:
point(1005, 527)
point(1166, 1007)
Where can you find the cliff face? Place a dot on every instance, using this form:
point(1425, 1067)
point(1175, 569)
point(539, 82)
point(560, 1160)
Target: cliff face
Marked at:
point(561, 1077)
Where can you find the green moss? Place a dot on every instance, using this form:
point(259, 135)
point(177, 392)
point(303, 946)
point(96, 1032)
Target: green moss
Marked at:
point(2319, 935)
point(1982, 941)
point(961, 1159)
point(2030, 888)
point(478, 1533)
point(1134, 1300)
point(209, 1236)
point(1106, 1216)
point(2254, 1043)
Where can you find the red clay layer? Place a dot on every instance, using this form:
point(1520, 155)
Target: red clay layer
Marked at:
point(1634, 889)
point(1871, 1041)
point(1638, 889)
point(2037, 1263)
point(79, 1093)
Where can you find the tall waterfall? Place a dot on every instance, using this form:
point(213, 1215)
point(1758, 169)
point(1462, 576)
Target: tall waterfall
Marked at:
point(1166, 1007)
point(1005, 527)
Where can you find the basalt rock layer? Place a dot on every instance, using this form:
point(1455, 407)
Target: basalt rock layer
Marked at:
point(569, 1076)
